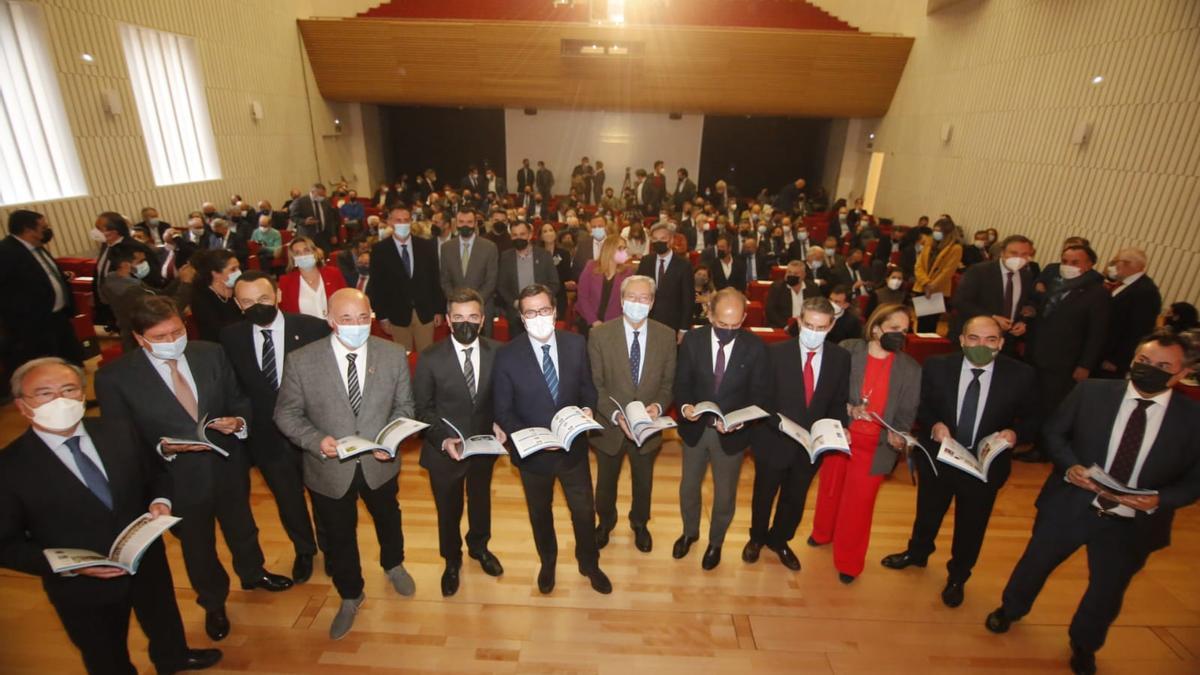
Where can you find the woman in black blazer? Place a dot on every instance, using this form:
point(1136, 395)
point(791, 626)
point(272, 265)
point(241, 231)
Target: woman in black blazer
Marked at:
point(213, 306)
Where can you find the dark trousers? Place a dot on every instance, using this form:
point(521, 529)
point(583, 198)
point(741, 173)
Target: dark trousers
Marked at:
point(339, 517)
point(608, 472)
point(101, 630)
point(227, 501)
point(1053, 385)
point(539, 497)
point(282, 471)
point(1114, 556)
point(973, 501)
point(928, 323)
point(448, 488)
point(790, 483)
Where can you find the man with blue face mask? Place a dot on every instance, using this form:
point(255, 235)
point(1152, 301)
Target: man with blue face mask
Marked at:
point(127, 282)
point(349, 385)
point(588, 247)
point(163, 390)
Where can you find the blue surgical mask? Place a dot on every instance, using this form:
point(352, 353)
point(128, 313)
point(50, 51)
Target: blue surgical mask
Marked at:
point(402, 230)
point(169, 351)
point(598, 233)
point(141, 270)
point(938, 235)
point(636, 312)
point(812, 339)
point(306, 261)
point(232, 278)
point(354, 336)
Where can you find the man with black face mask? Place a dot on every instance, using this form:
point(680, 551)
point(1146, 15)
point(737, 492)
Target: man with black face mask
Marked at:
point(452, 383)
point(1142, 436)
point(470, 261)
point(674, 294)
point(257, 348)
point(521, 265)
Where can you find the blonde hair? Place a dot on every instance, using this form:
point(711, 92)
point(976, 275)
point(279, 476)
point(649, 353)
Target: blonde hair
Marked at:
point(606, 264)
point(318, 254)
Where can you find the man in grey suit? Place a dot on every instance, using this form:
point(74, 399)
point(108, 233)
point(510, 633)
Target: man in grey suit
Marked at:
point(470, 261)
point(520, 266)
point(633, 359)
point(314, 411)
point(314, 217)
point(588, 248)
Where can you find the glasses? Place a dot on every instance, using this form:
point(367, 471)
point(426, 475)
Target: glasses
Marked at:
point(534, 313)
point(45, 396)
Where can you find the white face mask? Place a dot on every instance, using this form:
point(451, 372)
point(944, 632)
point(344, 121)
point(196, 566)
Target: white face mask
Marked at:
point(306, 261)
point(97, 236)
point(895, 284)
point(938, 235)
point(812, 339)
point(802, 235)
point(61, 414)
point(232, 278)
point(980, 243)
point(353, 336)
point(1069, 272)
point(829, 252)
point(636, 312)
point(1014, 264)
point(540, 327)
point(169, 351)
point(838, 311)
point(1111, 271)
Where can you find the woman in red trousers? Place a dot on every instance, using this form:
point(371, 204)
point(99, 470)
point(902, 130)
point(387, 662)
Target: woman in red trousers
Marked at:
point(887, 382)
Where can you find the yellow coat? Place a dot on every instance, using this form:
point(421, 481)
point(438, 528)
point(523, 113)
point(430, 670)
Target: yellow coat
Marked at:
point(938, 277)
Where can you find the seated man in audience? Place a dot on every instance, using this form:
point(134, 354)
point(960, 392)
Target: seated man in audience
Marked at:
point(847, 321)
point(223, 237)
point(786, 296)
point(725, 269)
point(268, 239)
point(818, 271)
point(757, 264)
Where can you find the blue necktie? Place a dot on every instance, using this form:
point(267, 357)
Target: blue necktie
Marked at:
point(635, 359)
point(407, 261)
point(549, 373)
point(93, 477)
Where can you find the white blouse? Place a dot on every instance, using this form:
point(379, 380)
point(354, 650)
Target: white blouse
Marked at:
point(312, 300)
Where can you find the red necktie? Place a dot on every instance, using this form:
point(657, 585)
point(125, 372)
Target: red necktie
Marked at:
point(809, 378)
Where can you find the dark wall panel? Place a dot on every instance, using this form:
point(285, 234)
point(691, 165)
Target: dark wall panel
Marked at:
point(444, 139)
point(751, 153)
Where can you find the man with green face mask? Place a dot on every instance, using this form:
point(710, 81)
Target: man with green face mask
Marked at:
point(966, 396)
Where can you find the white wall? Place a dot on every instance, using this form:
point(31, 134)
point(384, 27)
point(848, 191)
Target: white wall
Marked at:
point(619, 139)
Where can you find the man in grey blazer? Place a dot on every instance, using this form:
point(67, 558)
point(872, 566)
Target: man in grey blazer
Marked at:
point(349, 385)
point(470, 261)
point(633, 359)
point(520, 266)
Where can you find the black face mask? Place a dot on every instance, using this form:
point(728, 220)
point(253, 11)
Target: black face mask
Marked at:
point(466, 232)
point(1148, 379)
point(435, 230)
point(47, 235)
point(464, 332)
point(658, 247)
point(893, 341)
point(263, 315)
point(725, 335)
point(500, 227)
point(363, 270)
point(520, 244)
point(792, 280)
point(722, 254)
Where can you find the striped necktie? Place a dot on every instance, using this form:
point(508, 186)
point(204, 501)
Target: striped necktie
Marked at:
point(352, 383)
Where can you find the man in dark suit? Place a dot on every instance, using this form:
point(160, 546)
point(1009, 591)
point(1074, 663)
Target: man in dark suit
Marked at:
point(809, 380)
point(472, 181)
point(587, 245)
point(674, 287)
point(544, 181)
point(757, 264)
point(533, 378)
point(966, 396)
point(162, 390)
point(69, 483)
point(1133, 310)
point(111, 231)
point(258, 348)
point(725, 269)
point(786, 296)
point(314, 217)
point(540, 209)
point(685, 191)
point(726, 365)
point(453, 382)
point(405, 288)
point(789, 194)
point(525, 176)
point(687, 227)
point(1143, 436)
point(521, 265)
point(999, 288)
point(37, 306)
point(223, 236)
point(847, 324)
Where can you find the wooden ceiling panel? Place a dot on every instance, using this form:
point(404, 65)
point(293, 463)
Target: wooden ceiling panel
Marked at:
point(683, 69)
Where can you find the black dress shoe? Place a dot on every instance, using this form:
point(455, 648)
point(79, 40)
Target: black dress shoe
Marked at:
point(898, 561)
point(196, 659)
point(846, 578)
point(750, 553)
point(952, 594)
point(328, 567)
point(599, 580)
point(682, 545)
point(490, 563)
point(998, 621)
point(216, 624)
point(814, 543)
point(268, 582)
point(601, 536)
point(546, 579)
point(450, 579)
point(642, 540)
point(712, 557)
point(1083, 661)
point(303, 567)
point(787, 557)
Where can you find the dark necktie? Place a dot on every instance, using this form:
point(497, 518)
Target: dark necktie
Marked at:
point(964, 431)
point(268, 359)
point(662, 270)
point(1008, 295)
point(635, 358)
point(93, 477)
point(406, 260)
point(549, 373)
point(719, 371)
point(352, 383)
point(1129, 448)
point(469, 371)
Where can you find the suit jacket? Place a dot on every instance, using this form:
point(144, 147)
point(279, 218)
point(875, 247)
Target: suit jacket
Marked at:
point(903, 397)
point(238, 341)
point(981, 292)
point(544, 180)
point(848, 326)
point(507, 286)
point(609, 354)
point(104, 264)
point(737, 273)
point(440, 391)
point(1079, 432)
point(522, 399)
point(304, 207)
point(44, 505)
point(32, 307)
point(745, 383)
point(1012, 403)
point(313, 404)
point(394, 295)
point(525, 176)
point(684, 192)
point(1131, 317)
point(583, 253)
point(540, 210)
point(779, 301)
point(1073, 334)
point(289, 287)
point(232, 241)
point(762, 265)
point(674, 295)
point(785, 395)
point(481, 268)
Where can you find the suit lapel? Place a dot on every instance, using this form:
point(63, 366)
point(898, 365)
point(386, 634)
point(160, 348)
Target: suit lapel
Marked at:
point(1162, 451)
point(119, 481)
point(483, 379)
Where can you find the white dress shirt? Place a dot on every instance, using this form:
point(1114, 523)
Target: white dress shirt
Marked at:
point(798, 298)
point(537, 352)
point(1126, 281)
point(666, 265)
point(1154, 419)
point(360, 364)
point(58, 444)
point(312, 300)
point(164, 371)
point(727, 269)
point(716, 344)
point(985, 384)
point(40, 255)
point(277, 338)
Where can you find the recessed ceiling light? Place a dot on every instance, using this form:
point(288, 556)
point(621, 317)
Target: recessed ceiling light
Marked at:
point(1097, 79)
point(87, 58)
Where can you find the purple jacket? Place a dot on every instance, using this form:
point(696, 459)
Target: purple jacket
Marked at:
point(591, 285)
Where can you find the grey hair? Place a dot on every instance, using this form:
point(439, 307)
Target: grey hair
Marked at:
point(818, 304)
point(634, 278)
point(24, 369)
point(1135, 254)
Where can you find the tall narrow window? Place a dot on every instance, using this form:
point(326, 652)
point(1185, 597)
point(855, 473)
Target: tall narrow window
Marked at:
point(38, 160)
point(164, 70)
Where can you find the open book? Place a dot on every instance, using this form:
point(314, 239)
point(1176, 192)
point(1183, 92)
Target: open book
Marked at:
point(730, 420)
point(910, 442)
point(199, 438)
point(953, 453)
point(639, 423)
point(825, 435)
point(388, 439)
point(126, 550)
point(1114, 486)
point(564, 427)
point(483, 444)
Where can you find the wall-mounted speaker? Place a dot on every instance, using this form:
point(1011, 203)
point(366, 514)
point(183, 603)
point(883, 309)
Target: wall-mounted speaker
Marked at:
point(1082, 133)
point(531, 111)
point(111, 102)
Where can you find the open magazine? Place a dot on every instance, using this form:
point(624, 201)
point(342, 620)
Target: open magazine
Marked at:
point(483, 444)
point(639, 422)
point(825, 435)
point(910, 442)
point(1114, 486)
point(126, 550)
point(564, 427)
point(199, 438)
point(731, 419)
point(953, 453)
point(388, 439)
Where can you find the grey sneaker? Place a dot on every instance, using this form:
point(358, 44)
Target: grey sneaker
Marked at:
point(344, 619)
point(402, 581)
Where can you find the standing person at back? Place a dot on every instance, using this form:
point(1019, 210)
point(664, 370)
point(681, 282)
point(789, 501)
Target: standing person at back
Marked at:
point(405, 287)
point(1133, 310)
point(999, 288)
point(674, 282)
point(523, 264)
point(935, 268)
point(314, 217)
point(470, 261)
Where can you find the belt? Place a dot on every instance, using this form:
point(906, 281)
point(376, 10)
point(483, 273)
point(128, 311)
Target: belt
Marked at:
point(1109, 515)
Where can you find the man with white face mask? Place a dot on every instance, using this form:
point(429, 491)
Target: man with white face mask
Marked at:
point(162, 390)
point(1000, 288)
point(405, 290)
point(106, 486)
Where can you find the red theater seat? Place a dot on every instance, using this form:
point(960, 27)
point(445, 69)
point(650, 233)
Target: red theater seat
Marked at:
point(757, 291)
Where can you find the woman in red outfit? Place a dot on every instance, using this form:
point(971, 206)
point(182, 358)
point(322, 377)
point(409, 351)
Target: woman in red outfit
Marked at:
point(887, 382)
point(309, 282)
